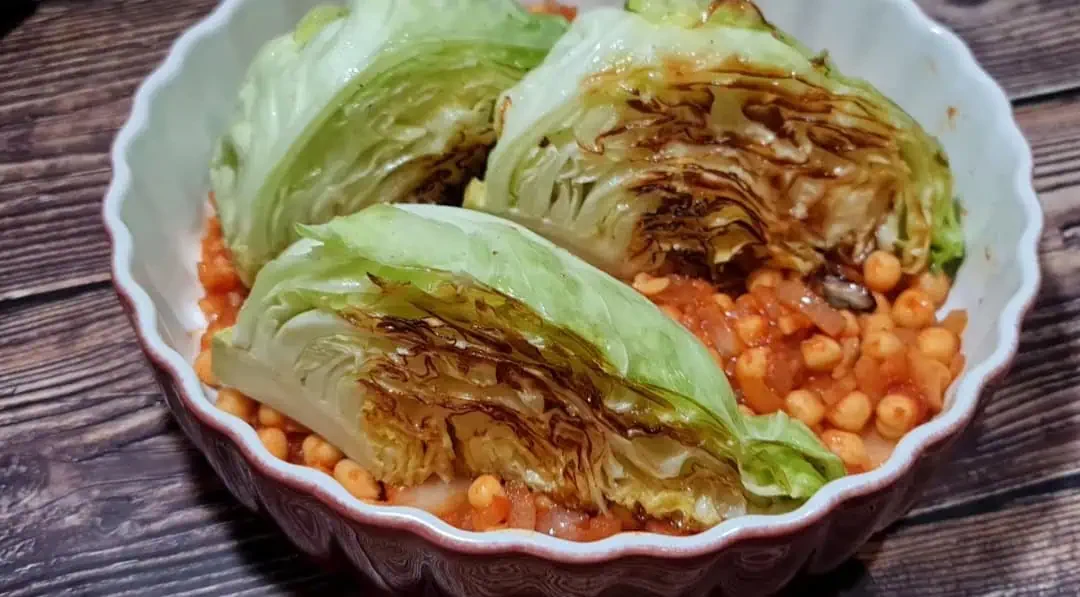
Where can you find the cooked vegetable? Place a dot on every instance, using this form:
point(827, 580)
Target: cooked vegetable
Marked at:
point(380, 101)
point(691, 135)
point(947, 244)
point(863, 385)
point(432, 341)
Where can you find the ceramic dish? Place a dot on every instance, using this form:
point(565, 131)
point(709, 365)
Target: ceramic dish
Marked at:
point(155, 211)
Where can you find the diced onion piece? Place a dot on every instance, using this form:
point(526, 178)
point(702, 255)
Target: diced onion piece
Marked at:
point(751, 372)
point(600, 527)
point(522, 507)
point(747, 304)
point(785, 367)
point(650, 286)
point(760, 397)
point(850, 347)
point(851, 324)
point(560, 522)
point(881, 305)
point(796, 295)
point(868, 377)
point(838, 389)
point(931, 377)
point(435, 496)
point(878, 449)
point(724, 338)
point(766, 296)
point(895, 368)
point(724, 301)
point(907, 336)
point(956, 322)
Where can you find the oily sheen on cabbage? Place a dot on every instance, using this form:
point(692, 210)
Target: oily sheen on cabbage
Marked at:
point(434, 341)
point(691, 135)
point(377, 101)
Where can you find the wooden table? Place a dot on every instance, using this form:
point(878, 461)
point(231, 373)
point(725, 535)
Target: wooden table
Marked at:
point(101, 494)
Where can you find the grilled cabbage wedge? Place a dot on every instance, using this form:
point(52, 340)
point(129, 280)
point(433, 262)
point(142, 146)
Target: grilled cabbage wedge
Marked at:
point(428, 341)
point(376, 101)
point(692, 135)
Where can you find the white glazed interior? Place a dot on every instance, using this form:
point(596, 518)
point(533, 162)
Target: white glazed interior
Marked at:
point(155, 210)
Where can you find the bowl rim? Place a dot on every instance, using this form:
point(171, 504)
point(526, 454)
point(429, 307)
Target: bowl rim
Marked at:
point(143, 314)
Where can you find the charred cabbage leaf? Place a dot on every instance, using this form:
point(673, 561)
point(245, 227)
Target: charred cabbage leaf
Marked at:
point(379, 101)
point(691, 135)
point(429, 340)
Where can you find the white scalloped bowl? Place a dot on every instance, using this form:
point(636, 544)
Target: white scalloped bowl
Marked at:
point(155, 210)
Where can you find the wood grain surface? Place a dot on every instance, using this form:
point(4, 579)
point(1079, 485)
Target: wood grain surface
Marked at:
point(100, 493)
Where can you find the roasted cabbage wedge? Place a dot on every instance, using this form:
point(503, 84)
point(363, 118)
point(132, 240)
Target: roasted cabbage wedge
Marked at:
point(426, 340)
point(376, 101)
point(693, 136)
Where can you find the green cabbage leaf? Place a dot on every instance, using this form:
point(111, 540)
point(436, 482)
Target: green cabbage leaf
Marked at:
point(431, 341)
point(693, 136)
point(376, 101)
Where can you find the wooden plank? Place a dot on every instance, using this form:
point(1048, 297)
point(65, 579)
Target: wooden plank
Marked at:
point(66, 79)
point(64, 93)
point(1053, 130)
point(1024, 547)
point(103, 495)
point(1029, 46)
